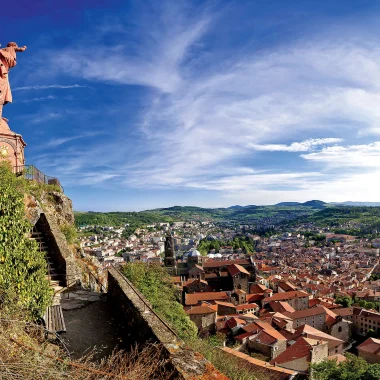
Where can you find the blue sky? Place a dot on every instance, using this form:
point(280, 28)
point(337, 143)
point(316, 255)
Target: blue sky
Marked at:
point(142, 104)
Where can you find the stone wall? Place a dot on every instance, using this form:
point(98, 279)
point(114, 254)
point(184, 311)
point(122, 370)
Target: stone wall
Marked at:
point(204, 321)
point(240, 281)
point(341, 330)
point(145, 326)
point(320, 352)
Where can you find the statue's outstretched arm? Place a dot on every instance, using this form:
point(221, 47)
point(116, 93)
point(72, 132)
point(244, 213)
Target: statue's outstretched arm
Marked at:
point(20, 49)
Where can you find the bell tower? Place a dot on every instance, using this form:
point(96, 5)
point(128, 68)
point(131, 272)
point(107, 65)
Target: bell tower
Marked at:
point(169, 260)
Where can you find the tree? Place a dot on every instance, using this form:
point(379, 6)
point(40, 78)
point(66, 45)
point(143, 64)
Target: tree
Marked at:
point(373, 372)
point(23, 267)
point(354, 368)
point(325, 370)
point(370, 305)
point(370, 334)
point(345, 301)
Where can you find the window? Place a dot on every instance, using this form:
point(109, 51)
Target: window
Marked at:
point(340, 329)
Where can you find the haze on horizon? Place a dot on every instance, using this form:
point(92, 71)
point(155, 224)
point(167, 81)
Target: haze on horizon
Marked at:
point(139, 105)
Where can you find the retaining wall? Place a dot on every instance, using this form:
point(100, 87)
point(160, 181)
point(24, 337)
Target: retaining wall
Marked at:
point(145, 326)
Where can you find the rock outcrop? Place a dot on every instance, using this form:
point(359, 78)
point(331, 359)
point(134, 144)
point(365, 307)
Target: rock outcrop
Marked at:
point(51, 211)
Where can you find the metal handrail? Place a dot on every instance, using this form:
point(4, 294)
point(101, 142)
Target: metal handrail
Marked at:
point(145, 302)
point(31, 173)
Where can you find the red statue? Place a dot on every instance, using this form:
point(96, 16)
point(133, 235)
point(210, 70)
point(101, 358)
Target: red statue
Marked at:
point(7, 61)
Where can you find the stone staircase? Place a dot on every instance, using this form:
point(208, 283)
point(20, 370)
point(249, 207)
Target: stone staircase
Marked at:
point(55, 278)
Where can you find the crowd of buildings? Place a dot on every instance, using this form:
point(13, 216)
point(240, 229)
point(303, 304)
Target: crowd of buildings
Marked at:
point(276, 307)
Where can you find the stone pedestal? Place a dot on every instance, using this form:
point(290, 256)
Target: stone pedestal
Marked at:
point(11, 147)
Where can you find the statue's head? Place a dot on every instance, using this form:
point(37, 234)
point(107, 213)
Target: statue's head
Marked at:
point(12, 44)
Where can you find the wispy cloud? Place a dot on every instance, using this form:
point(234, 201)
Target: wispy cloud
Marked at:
point(45, 117)
point(53, 143)
point(163, 45)
point(206, 121)
point(50, 97)
point(47, 87)
point(302, 146)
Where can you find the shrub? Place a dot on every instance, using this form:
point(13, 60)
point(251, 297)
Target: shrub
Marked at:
point(70, 232)
point(353, 368)
point(155, 284)
point(22, 266)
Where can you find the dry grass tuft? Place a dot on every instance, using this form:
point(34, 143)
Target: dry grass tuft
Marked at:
point(25, 354)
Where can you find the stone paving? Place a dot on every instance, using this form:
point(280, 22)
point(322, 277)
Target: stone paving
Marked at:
point(79, 298)
point(91, 325)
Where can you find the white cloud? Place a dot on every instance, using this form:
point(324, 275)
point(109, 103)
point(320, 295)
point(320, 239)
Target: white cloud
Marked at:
point(302, 146)
point(206, 121)
point(47, 87)
point(353, 156)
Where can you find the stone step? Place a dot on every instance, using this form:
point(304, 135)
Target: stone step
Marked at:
point(57, 288)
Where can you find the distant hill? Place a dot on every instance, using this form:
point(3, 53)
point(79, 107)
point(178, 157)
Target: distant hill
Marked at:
point(313, 203)
point(288, 204)
point(349, 203)
point(237, 207)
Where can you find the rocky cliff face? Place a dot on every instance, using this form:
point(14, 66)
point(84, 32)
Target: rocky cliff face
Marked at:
point(50, 212)
point(55, 204)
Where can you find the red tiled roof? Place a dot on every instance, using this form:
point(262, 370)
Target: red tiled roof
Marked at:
point(254, 297)
point(246, 306)
point(344, 312)
point(193, 299)
point(222, 263)
point(371, 345)
point(242, 336)
point(271, 371)
point(281, 306)
point(286, 295)
point(310, 332)
point(263, 326)
point(235, 269)
point(308, 312)
point(300, 349)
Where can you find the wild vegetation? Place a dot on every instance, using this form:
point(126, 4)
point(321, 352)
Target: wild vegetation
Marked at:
point(243, 242)
point(26, 355)
point(22, 265)
point(354, 368)
point(70, 232)
point(118, 219)
point(155, 284)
